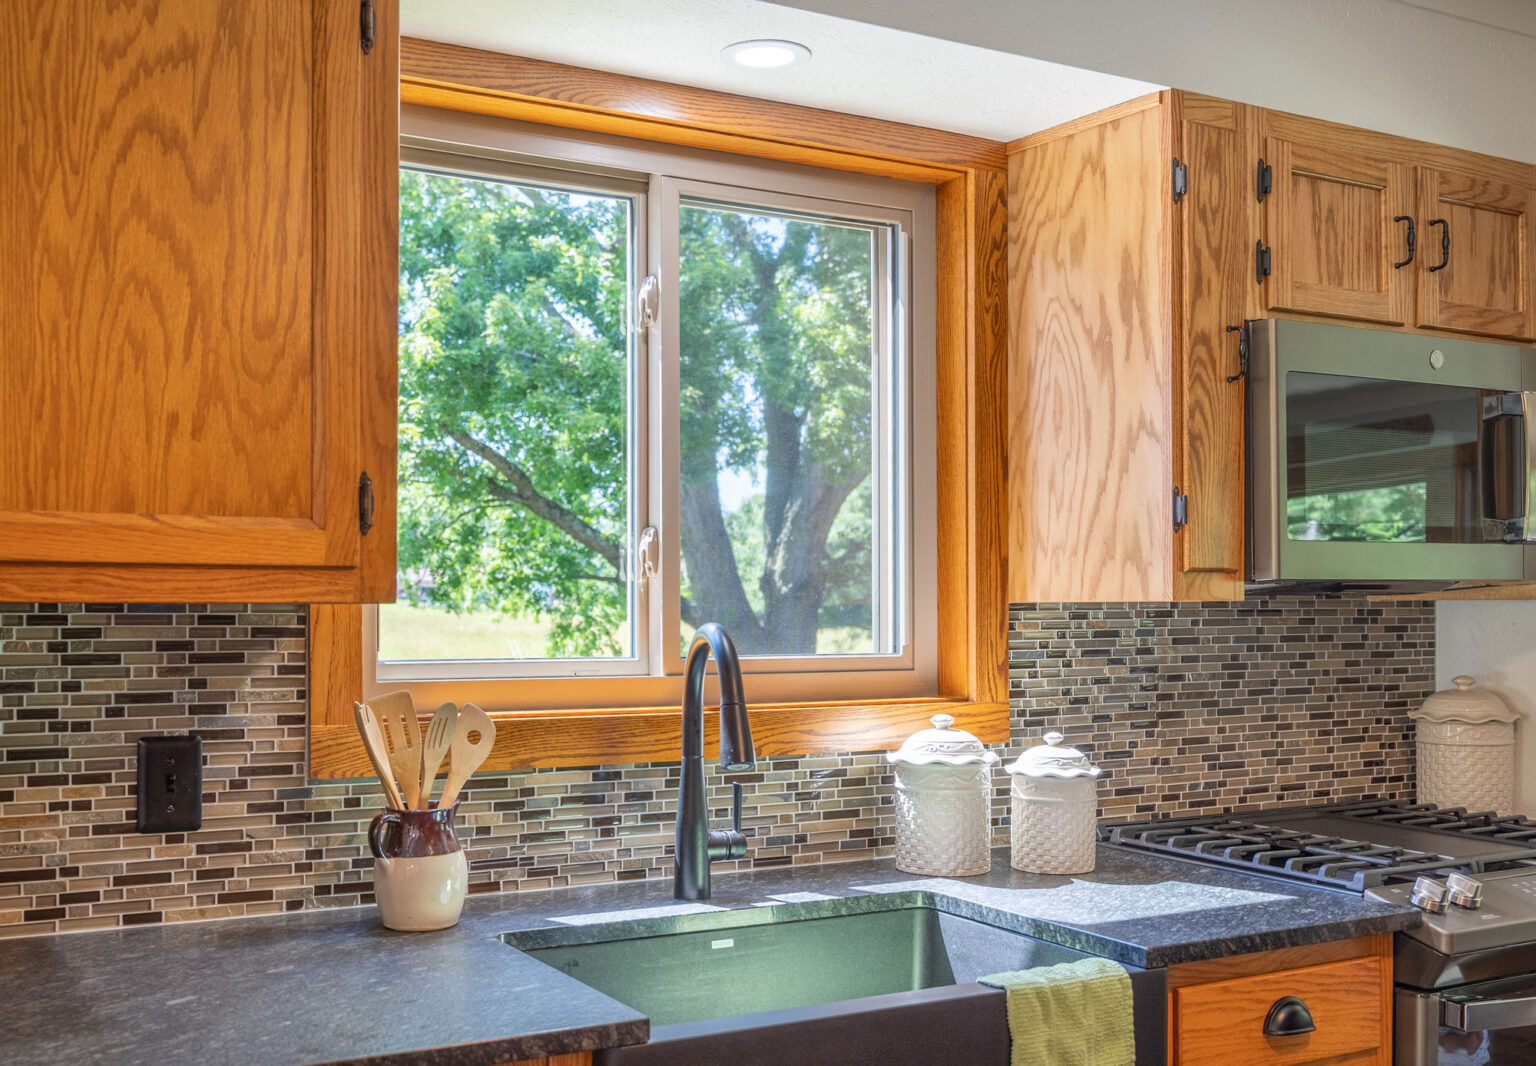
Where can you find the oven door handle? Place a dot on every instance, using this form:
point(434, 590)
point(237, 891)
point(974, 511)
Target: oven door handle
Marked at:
point(1514, 1013)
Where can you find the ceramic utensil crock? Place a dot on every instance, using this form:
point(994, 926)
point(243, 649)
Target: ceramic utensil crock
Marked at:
point(943, 777)
point(420, 875)
point(1055, 800)
point(1466, 749)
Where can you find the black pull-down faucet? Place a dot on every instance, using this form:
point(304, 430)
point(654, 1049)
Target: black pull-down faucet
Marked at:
point(698, 845)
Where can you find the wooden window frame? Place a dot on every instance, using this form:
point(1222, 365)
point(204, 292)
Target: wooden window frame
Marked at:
point(968, 175)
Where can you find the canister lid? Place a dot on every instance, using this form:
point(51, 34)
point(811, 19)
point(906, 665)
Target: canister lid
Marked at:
point(1464, 704)
point(1052, 760)
point(941, 744)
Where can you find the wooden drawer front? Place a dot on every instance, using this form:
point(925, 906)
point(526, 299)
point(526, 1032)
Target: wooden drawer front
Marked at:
point(1222, 1023)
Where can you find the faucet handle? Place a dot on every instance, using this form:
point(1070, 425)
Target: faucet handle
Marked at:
point(736, 806)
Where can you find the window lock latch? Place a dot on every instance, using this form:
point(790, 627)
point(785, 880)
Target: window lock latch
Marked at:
point(647, 556)
point(647, 303)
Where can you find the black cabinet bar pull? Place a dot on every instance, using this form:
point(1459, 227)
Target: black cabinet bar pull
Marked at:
point(1412, 240)
point(1445, 243)
point(368, 25)
point(1242, 353)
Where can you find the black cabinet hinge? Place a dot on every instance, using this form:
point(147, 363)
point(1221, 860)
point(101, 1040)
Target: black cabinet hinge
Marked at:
point(1180, 180)
point(368, 25)
point(1261, 262)
point(364, 504)
point(1264, 180)
point(1180, 509)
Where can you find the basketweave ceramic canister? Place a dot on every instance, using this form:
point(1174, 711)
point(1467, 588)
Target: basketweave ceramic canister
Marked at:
point(1055, 802)
point(1466, 749)
point(943, 784)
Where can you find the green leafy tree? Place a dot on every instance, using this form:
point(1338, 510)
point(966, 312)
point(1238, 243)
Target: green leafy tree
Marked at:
point(513, 408)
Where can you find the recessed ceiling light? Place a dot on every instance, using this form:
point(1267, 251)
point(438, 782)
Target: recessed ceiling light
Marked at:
point(765, 55)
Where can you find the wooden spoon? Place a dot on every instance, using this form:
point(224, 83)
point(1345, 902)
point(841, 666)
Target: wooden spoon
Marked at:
point(439, 738)
point(464, 757)
point(378, 752)
point(398, 713)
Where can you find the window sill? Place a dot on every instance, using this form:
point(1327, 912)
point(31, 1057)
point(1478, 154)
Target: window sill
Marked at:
point(603, 736)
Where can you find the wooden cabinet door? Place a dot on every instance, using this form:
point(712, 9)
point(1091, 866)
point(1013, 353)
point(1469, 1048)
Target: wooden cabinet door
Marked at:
point(197, 237)
point(1477, 240)
point(1215, 234)
point(1330, 226)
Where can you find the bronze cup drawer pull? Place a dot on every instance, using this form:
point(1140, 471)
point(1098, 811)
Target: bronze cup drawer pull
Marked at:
point(1288, 1017)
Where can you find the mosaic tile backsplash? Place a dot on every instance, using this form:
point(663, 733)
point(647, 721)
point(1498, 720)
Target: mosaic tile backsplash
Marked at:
point(1223, 706)
point(1194, 706)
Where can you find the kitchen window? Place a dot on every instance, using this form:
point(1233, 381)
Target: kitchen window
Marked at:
point(643, 388)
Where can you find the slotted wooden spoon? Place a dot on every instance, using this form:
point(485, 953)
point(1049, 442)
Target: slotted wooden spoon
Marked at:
point(464, 756)
point(378, 752)
point(439, 739)
point(397, 712)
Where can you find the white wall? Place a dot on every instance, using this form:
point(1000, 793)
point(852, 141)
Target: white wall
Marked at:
point(1457, 72)
point(1495, 642)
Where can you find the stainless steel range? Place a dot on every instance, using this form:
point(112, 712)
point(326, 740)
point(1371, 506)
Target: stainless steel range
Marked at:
point(1466, 978)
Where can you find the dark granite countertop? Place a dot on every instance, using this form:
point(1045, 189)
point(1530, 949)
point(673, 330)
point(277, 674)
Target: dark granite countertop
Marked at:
point(335, 986)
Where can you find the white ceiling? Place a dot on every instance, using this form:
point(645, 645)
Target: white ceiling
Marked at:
point(855, 67)
point(1457, 72)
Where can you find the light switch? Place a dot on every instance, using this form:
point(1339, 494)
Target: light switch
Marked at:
point(170, 784)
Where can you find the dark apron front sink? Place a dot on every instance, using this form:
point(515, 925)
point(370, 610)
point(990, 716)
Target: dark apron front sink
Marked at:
point(892, 985)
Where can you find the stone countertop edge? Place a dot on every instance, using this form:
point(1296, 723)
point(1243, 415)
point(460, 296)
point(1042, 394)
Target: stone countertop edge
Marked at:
point(513, 1049)
point(331, 986)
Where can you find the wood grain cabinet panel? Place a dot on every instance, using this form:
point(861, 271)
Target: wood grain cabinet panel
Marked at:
point(1484, 233)
point(1214, 227)
point(1222, 1022)
point(1331, 232)
point(1121, 286)
point(197, 237)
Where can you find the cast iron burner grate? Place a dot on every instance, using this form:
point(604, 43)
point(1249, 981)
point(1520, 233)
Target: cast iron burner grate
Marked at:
point(1488, 825)
point(1336, 862)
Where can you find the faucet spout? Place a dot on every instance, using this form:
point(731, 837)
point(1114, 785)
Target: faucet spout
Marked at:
point(697, 845)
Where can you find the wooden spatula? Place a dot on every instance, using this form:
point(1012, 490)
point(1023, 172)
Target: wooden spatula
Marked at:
point(397, 712)
point(465, 756)
point(378, 752)
point(439, 738)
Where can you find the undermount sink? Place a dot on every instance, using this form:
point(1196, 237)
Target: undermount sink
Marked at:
point(892, 983)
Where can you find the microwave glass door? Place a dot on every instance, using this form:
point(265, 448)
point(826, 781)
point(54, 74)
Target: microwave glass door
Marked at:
point(1380, 461)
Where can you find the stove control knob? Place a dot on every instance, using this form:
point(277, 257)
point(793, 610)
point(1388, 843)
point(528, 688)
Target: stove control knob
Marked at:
point(1429, 895)
point(1464, 891)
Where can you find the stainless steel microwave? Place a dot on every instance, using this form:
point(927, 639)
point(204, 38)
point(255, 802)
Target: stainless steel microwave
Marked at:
point(1382, 457)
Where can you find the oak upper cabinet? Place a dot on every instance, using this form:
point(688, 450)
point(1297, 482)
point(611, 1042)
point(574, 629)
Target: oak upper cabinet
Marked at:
point(198, 239)
point(1478, 274)
point(1131, 236)
point(1398, 233)
point(1336, 221)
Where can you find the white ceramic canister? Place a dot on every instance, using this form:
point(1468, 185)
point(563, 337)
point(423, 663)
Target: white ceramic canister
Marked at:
point(943, 787)
point(1466, 749)
point(1055, 808)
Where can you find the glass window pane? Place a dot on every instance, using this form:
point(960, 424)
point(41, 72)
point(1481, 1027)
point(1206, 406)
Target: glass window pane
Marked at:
point(786, 500)
point(515, 423)
point(1400, 461)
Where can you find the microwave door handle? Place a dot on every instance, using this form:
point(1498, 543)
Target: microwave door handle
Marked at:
point(1515, 1013)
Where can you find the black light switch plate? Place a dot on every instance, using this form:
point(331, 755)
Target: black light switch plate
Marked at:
point(170, 784)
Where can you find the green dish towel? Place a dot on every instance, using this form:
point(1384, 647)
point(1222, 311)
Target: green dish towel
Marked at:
point(1075, 1014)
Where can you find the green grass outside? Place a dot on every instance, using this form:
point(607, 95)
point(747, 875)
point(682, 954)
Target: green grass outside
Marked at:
point(411, 633)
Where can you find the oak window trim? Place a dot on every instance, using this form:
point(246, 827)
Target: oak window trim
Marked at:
point(971, 348)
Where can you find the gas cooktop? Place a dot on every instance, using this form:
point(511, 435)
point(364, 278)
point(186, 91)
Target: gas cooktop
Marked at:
point(1352, 846)
point(1474, 872)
